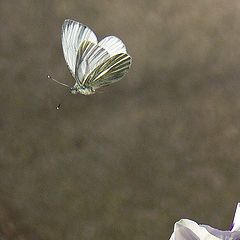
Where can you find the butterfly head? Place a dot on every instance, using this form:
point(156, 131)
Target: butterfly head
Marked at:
point(73, 90)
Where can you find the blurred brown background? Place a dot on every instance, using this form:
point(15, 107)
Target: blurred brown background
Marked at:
point(162, 144)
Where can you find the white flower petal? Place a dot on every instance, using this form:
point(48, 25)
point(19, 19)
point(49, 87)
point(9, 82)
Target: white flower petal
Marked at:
point(236, 220)
point(181, 232)
point(186, 229)
point(223, 234)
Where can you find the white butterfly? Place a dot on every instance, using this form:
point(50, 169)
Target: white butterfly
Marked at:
point(93, 64)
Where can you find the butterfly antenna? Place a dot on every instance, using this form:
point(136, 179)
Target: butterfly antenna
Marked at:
point(63, 84)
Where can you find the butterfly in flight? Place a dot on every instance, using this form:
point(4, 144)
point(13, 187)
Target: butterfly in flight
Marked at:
point(92, 64)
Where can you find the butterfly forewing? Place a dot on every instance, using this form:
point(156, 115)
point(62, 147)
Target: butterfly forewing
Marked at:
point(73, 34)
point(110, 71)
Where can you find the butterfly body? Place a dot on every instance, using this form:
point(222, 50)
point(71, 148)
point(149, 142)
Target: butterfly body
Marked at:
point(92, 64)
point(82, 89)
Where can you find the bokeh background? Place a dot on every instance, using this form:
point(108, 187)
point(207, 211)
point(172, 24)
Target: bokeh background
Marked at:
point(162, 144)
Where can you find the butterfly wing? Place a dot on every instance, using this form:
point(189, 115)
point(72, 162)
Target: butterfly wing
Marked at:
point(89, 57)
point(90, 63)
point(110, 71)
point(73, 35)
point(113, 45)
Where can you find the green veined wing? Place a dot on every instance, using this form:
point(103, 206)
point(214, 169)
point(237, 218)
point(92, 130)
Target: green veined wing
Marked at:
point(73, 34)
point(110, 71)
point(89, 57)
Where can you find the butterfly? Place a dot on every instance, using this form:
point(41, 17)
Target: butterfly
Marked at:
point(92, 64)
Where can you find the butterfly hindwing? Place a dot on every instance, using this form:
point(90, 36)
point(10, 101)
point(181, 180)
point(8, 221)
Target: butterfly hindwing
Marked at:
point(81, 66)
point(110, 71)
point(89, 57)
